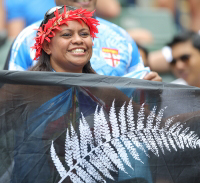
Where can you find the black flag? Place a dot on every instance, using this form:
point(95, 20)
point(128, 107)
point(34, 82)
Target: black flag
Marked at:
point(62, 127)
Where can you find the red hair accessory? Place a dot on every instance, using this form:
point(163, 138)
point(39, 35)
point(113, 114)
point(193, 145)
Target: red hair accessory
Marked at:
point(46, 31)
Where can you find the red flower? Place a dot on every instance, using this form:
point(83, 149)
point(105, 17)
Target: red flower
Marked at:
point(45, 32)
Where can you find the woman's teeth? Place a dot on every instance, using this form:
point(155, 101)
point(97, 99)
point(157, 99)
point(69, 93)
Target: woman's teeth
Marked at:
point(78, 51)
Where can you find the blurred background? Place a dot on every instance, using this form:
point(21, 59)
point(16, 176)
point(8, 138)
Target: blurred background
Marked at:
point(151, 23)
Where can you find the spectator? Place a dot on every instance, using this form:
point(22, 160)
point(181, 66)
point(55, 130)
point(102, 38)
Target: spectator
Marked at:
point(186, 58)
point(21, 13)
point(68, 49)
point(159, 60)
point(18, 17)
point(114, 53)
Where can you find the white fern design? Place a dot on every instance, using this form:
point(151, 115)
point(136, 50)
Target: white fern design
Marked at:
point(96, 154)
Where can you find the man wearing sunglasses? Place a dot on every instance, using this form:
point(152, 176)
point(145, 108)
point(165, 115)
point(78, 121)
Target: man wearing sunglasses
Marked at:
point(186, 58)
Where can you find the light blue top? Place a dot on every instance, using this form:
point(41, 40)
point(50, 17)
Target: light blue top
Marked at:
point(114, 52)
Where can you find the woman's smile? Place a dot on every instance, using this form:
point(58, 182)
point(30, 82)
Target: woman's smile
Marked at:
point(78, 51)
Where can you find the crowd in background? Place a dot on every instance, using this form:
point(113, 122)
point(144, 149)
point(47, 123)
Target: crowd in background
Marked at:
point(15, 15)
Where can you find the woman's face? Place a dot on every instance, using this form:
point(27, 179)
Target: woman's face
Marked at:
point(71, 48)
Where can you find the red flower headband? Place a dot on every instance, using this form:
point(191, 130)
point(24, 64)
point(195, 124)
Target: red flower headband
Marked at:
point(45, 32)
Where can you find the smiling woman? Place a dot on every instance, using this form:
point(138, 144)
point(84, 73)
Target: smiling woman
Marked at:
point(64, 40)
point(64, 44)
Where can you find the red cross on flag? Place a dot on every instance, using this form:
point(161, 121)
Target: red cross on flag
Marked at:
point(111, 56)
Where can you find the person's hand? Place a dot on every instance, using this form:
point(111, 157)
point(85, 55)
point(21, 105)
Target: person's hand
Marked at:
point(153, 76)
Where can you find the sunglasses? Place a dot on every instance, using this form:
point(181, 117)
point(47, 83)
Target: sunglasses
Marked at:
point(183, 58)
point(52, 10)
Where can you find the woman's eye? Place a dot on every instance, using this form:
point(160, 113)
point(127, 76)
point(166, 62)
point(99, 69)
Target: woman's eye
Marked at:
point(84, 34)
point(66, 35)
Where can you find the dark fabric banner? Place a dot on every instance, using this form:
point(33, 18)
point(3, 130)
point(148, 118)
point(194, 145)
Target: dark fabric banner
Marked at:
point(61, 127)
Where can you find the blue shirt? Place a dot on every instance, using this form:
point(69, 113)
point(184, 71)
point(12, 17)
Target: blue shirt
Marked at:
point(27, 9)
point(114, 52)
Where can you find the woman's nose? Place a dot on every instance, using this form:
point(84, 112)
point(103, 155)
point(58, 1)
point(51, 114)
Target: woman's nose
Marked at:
point(77, 39)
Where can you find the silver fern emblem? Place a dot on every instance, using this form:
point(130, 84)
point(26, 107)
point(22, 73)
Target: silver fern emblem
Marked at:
point(105, 148)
